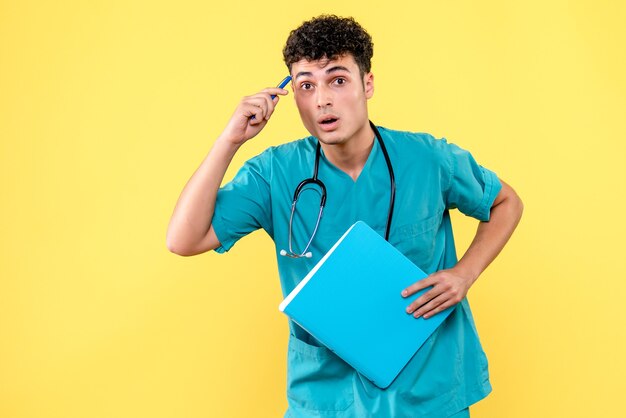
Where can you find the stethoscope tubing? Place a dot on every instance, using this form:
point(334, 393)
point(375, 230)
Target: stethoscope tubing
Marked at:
point(320, 184)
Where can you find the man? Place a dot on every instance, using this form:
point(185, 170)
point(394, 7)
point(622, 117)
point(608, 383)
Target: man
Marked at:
point(329, 60)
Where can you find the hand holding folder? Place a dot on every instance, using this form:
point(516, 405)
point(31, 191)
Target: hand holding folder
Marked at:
point(351, 301)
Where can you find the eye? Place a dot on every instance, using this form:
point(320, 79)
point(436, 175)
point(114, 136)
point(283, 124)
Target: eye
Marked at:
point(340, 81)
point(306, 86)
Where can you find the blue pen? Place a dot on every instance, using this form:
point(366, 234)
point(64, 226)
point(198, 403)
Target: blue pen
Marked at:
point(281, 85)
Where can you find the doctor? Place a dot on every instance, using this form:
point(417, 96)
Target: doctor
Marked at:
point(329, 61)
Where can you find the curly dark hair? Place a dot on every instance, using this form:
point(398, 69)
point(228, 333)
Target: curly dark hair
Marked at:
point(330, 36)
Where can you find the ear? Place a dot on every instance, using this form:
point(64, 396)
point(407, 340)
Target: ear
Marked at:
point(368, 84)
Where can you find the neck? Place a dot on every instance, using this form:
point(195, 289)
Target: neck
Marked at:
point(351, 155)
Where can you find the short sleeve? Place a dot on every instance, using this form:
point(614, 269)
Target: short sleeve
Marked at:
point(472, 188)
point(243, 205)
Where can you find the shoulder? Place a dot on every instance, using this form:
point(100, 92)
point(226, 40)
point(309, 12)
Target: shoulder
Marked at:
point(286, 152)
point(277, 159)
point(293, 149)
point(420, 145)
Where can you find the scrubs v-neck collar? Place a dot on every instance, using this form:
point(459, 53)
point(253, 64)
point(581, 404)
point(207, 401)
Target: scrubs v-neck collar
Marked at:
point(345, 176)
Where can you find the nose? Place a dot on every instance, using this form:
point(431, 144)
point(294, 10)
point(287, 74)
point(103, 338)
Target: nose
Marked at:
point(324, 97)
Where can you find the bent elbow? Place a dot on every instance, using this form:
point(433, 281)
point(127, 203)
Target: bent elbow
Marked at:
point(519, 205)
point(175, 248)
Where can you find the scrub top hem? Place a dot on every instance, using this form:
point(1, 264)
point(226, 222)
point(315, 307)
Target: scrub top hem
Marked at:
point(492, 188)
point(220, 228)
point(446, 407)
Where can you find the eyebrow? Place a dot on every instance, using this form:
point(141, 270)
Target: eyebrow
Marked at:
point(329, 71)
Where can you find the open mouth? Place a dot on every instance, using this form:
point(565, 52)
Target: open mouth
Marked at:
point(328, 122)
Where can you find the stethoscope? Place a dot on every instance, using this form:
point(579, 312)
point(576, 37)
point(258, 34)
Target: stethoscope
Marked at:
point(318, 182)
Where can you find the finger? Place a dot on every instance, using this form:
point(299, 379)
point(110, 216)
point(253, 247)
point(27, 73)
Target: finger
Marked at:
point(438, 309)
point(271, 100)
point(254, 113)
point(260, 103)
point(416, 287)
point(269, 105)
point(260, 99)
point(424, 299)
point(269, 97)
point(275, 91)
point(434, 306)
point(264, 103)
point(275, 100)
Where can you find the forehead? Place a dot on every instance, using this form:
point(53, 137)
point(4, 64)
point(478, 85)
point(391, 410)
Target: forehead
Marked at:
point(321, 66)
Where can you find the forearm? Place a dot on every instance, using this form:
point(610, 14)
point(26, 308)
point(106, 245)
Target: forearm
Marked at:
point(189, 231)
point(193, 213)
point(491, 237)
point(450, 286)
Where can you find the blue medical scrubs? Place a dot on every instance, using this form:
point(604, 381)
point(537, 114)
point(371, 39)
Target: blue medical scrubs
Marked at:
point(449, 372)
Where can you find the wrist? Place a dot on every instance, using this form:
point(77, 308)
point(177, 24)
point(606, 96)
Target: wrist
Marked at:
point(227, 144)
point(466, 272)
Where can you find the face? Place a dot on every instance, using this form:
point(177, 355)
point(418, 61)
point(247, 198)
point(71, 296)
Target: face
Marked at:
point(332, 97)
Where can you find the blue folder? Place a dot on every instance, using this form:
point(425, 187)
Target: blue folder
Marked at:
point(351, 302)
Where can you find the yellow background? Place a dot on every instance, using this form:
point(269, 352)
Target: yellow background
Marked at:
point(107, 108)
